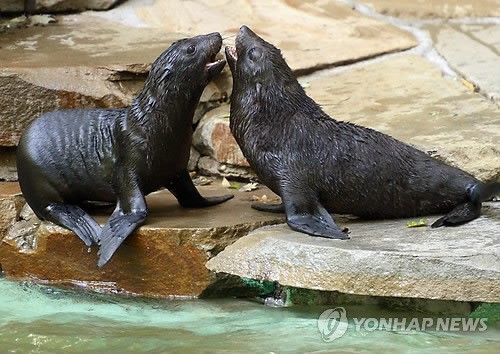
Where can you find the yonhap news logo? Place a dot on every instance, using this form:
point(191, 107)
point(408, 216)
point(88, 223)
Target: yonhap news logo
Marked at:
point(333, 324)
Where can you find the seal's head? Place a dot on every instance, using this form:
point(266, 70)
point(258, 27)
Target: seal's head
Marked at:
point(256, 64)
point(189, 63)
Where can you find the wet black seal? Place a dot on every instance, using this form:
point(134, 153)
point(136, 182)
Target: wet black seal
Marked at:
point(319, 165)
point(68, 157)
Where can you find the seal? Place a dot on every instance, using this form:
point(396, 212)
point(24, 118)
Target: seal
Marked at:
point(319, 165)
point(68, 157)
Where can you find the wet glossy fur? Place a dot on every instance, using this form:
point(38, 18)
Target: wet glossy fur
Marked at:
point(315, 162)
point(71, 156)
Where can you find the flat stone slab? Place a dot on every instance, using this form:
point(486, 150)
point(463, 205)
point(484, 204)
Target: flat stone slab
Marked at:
point(165, 257)
point(311, 34)
point(474, 51)
point(384, 258)
point(411, 9)
point(407, 97)
point(81, 61)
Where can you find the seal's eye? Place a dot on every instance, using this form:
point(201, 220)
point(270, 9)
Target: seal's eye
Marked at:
point(191, 49)
point(255, 54)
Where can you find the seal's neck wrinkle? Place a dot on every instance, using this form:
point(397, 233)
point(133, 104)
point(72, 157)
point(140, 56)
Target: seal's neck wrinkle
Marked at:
point(148, 107)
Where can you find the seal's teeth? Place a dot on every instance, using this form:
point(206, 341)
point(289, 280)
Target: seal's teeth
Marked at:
point(232, 52)
point(214, 63)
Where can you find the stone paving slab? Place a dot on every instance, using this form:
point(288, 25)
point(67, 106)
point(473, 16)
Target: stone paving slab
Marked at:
point(383, 258)
point(313, 34)
point(81, 61)
point(406, 97)
point(426, 9)
point(474, 52)
point(165, 257)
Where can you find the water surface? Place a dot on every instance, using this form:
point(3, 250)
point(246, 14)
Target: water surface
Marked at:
point(40, 319)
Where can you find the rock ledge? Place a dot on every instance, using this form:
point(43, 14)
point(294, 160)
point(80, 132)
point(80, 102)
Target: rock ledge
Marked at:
point(383, 258)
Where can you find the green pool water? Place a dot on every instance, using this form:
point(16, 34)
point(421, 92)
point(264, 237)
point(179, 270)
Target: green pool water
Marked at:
point(40, 319)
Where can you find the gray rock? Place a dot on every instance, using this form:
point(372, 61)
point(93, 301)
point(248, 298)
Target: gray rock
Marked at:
point(383, 258)
point(53, 6)
point(8, 170)
point(329, 32)
point(456, 43)
point(213, 137)
point(84, 61)
point(410, 9)
point(194, 157)
point(11, 202)
point(211, 167)
point(407, 97)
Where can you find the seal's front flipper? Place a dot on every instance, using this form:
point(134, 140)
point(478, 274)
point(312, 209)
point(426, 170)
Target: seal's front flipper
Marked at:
point(118, 228)
point(315, 226)
point(305, 214)
point(461, 214)
point(270, 208)
point(130, 212)
point(187, 195)
point(74, 218)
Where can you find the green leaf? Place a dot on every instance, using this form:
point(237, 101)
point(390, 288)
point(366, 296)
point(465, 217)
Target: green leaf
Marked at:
point(418, 223)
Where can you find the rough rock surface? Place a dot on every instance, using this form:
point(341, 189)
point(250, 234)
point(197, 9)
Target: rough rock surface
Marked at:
point(82, 61)
point(213, 137)
point(480, 44)
point(316, 25)
point(209, 166)
point(8, 170)
point(11, 202)
point(406, 97)
point(165, 257)
point(384, 258)
point(423, 9)
point(52, 6)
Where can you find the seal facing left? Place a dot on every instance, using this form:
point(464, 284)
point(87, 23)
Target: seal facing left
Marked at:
point(69, 157)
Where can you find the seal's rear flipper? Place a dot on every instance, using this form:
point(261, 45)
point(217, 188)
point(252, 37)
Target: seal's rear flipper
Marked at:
point(270, 208)
point(461, 214)
point(75, 219)
point(182, 187)
point(118, 228)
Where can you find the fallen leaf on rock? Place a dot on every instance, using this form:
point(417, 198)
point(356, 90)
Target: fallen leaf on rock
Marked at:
point(419, 223)
point(249, 187)
point(225, 183)
point(41, 20)
point(469, 85)
point(235, 186)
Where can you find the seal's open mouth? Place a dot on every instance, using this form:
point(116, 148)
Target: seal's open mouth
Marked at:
point(231, 52)
point(214, 65)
